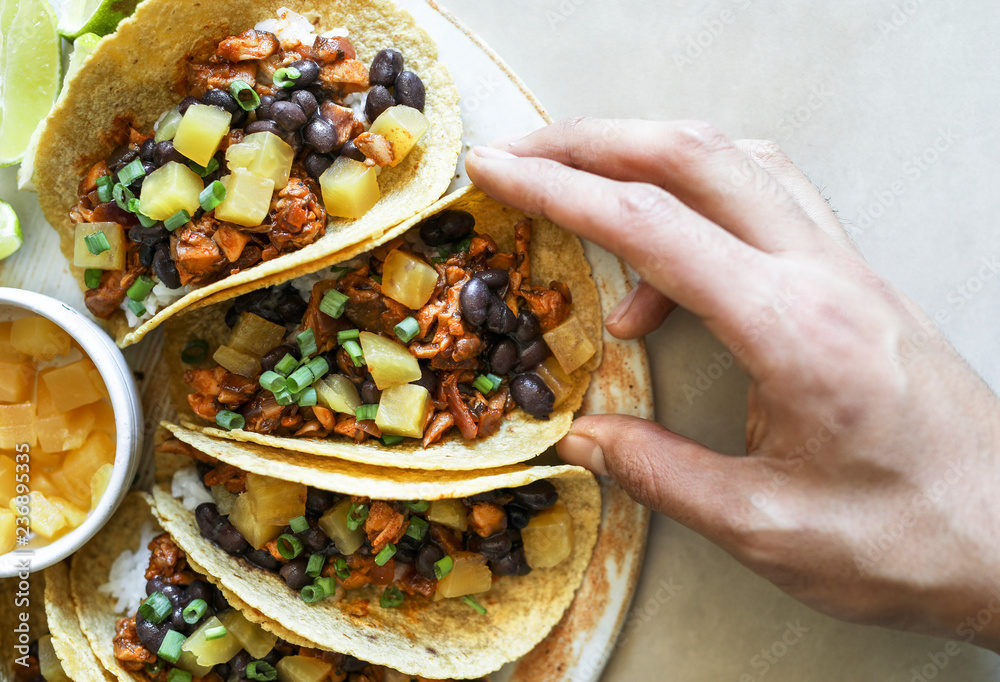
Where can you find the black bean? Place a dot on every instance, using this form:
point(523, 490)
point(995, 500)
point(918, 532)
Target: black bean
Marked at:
point(386, 66)
point(523, 568)
point(147, 168)
point(263, 109)
point(294, 573)
point(446, 227)
point(370, 394)
point(238, 664)
point(318, 501)
point(350, 664)
point(222, 670)
point(532, 394)
point(409, 542)
point(320, 135)
point(264, 126)
point(313, 539)
point(187, 102)
point(288, 115)
point(148, 235)
point(410, 90)
point(291, 307)
point(488, 496)
point(199, 589)
point(308, 72)
point(154, 585)
point(164, 267)
point(505, 566)
point(273, 356)
point(262, 558)
point(316, 163)
point(175, 593)
point(146, 149)
point(517, 516)
point(406, 555)
point(495, 278)
point(532, 354)
point(219, 602)
point(492, 547)
point(232, 317)
point(164, 153)
point(221, 99)
point(150, 634)
point(306, 101)
point(428, 379)
point(146, 254)
point(378, 100)
point(536, 495)
point(474, 301)
point(209, 520)
point(503, 357)
point(500, 318)
point(528, 327)
point(119, 157)
point(351, 151)
point(230, 540)
point(428, 555)
point(177, 621)
point(239, 118)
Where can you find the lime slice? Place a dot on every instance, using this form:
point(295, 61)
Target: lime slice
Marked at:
point(10, 231)
point(29, 72)
point(82, 47)
point(93, 16)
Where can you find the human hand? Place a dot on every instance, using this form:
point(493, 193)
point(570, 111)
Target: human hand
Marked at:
point(869, 486)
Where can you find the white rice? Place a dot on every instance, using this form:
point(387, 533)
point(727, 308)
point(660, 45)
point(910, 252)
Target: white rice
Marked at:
point(127, 579)
point(160, 297)
point(190, 489)
point(293, 29)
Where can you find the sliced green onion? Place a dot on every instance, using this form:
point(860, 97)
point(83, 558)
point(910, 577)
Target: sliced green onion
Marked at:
point(391, 439)
point(443, 566)
point(365, 412)
point(137, 308)
point(307, 398)
point(193, 612)
point(212, 196)
point(307, 342)
point(207, 169)
point(230, 420)
point(299, 380)
point(170, 649)
point(284, 397)
point(311, 594)
point(418, 506)
point(144, 220)
point(272, 381)
point(289, 546)
point(178, 219)
point(391, 598)
point(140, 288)
point(153, 669)
point(417, 528)
point(333, 303)
point(471, 601)
point(194, 351)
point(356, 515)
point(218, 632)
point(156, 608)
point(315, 565)
point(286, 364)
point(341, 270)
point(92, 277)
point(285, 77)
point(319, 367)
point(353, 349)
point(377, 278)
point(97, 243)
point(299, 524)
point(487, 383)
point(123, 196)
point(240, 88)
point(341, 569)
point(262, 671)
point(178, 675)
point(166, 127)
point(105, 193)
point(327, 584)
point(387, 553)
point(407, 329)
point(348, 335)
point(463, 246)
point(131, 172)
point(438, 259)
point(133, 205)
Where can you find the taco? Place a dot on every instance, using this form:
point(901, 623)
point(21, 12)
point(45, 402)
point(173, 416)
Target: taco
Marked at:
point(203, 146)
point(463, 339)
point(152, 615)
point(456, 583)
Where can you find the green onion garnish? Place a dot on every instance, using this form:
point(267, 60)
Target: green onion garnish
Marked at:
point(299, 524)
point(285, 77)
point(289, 546)
point(178, 675)
point(307, 342)
point(97, 243)
point(319, 367)
point(153, 669)
point(377, 279)
point(262, 671)
point(407, 329)
point(348, 335)
point(312, 593)
point(443, 566)
point(144, 220)
point(353, 349)
point(218, 632)
point(131, 172)
point(240, 88)
point(156, 608)
point(327, 584)
point(341, 569)
point(286, 364)
point(315, 565)
point(104, 184)
point(212, 196)
point(137, 308)
point(307, 398)
point(471, 601)
point(178, 219)
point(230, 420)
point(123, 196)
point(272, 381)
point(170, 649)
point(284, 397)
point(356, 515)
point(341, 270)
point(299, 380)
point(92, 277)
point(391, 439)
point(417, 528)
point(193, 612)
point(133, 205)
point(207, 169)
point(463, 246)
point(140, 288)
point(333, 303)
point(391, 598)
point(194, 351)
point(418, 506)
point(438, 259)
point(387, 553)
point(486, 383)
point(365, 412)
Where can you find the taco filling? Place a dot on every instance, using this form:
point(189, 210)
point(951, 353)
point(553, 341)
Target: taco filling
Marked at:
point(281, 129)
point(323, 543)
point(41, 663)
point(435, 331)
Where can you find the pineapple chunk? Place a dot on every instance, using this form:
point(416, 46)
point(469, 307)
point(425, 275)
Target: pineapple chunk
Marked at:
point(73, 514)
point(548, 537)
point(81, 464)
point(469, 575)
point(248, 198)
point(402, 410)
point(570, 344)
point(99, 483)
point(302, 669)
point(408, 279)
point(70, 385)
point(7, 350)
point(104, 417)
point(8, 529)
point(45, 404)
point(254, 335)
point(170, 188)
point(49, 665)
point(338, 393)
point(109, 259)
point(8, 480)
point(237, 362)
point(556, 379)
point(17, 425)
point(265, 154)
point(201, 130)
point(450, 513)
point(334, 524)
point(256, 640)
point(46, 518)
point(95, 379)
point(211, 652)
point(41, 482)
point(64, 430)
point(273, 500)
point(350, 188)
point(39, 337)
point(16, 381)
point(403, 126)
point(253, 531)
point(389, 362)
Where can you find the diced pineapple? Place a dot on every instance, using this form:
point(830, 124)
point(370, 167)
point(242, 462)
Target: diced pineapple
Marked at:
point(248, 198)
point(273, 500)
point(39, 337)
point(256, 533)
point(46, 518)
point(469, 575)
point(45, 404)
point(408, 279)
point(70, 385)
point(16, 381)
point(112, 258)
point(41, 481)
point(224, 499)
point(265, 154)
point(403, 126)
point(338, 393)
point(7, 350)
point(200, 131)
point(17, 425)
point(98, 383)
point(49, 665)
point(189, 662)
point(64, 430)
point(211, 652)
point(237, 362)
point(450, 513)
point(556, 379)
point(302, 669)
point(570, 344)
point(402, 410)
point(170, 188)
point(99, 483)
point(8, 480)
point(334, 524)
point(73, 479)
point(8, 528)
point(73, 514)
point(104, 417)
point(548, 537)
point(389, 362)
point(350, 188)
point(256, 640)
point(254, 335)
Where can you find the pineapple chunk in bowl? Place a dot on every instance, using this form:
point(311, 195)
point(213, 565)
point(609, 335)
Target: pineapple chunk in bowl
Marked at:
point(71, 413)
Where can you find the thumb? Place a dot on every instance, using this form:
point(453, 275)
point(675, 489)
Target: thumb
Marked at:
point(698, 487)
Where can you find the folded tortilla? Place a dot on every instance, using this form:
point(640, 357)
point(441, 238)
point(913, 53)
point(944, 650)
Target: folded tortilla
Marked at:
point(443, 639)
point(555, 255)
point(138, 72)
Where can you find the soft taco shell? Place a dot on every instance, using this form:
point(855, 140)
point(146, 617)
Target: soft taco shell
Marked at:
point(555, 255)
point(68, 640)
point(444, 639)
point(138, 72)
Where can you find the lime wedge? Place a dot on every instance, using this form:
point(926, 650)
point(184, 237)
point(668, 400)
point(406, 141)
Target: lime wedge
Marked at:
point(82, 47)
point(93, 16)
point(29, 72)
point(10, 231)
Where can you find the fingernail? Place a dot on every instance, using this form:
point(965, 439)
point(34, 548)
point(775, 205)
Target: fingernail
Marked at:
point(491, 153)
point(582, 451)
point(619, 312)
point(505, 141)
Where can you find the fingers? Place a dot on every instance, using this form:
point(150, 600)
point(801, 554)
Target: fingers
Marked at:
point(691, 160)
point(639, 313)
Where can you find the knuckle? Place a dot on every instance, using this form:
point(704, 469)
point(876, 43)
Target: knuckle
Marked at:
point(767, 154)
point(697, 139)
point(640, 204)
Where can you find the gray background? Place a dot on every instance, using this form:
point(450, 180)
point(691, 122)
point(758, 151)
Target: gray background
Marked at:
point(890, 108)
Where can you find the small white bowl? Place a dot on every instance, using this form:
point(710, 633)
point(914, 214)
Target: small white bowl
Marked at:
point(117, 376)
